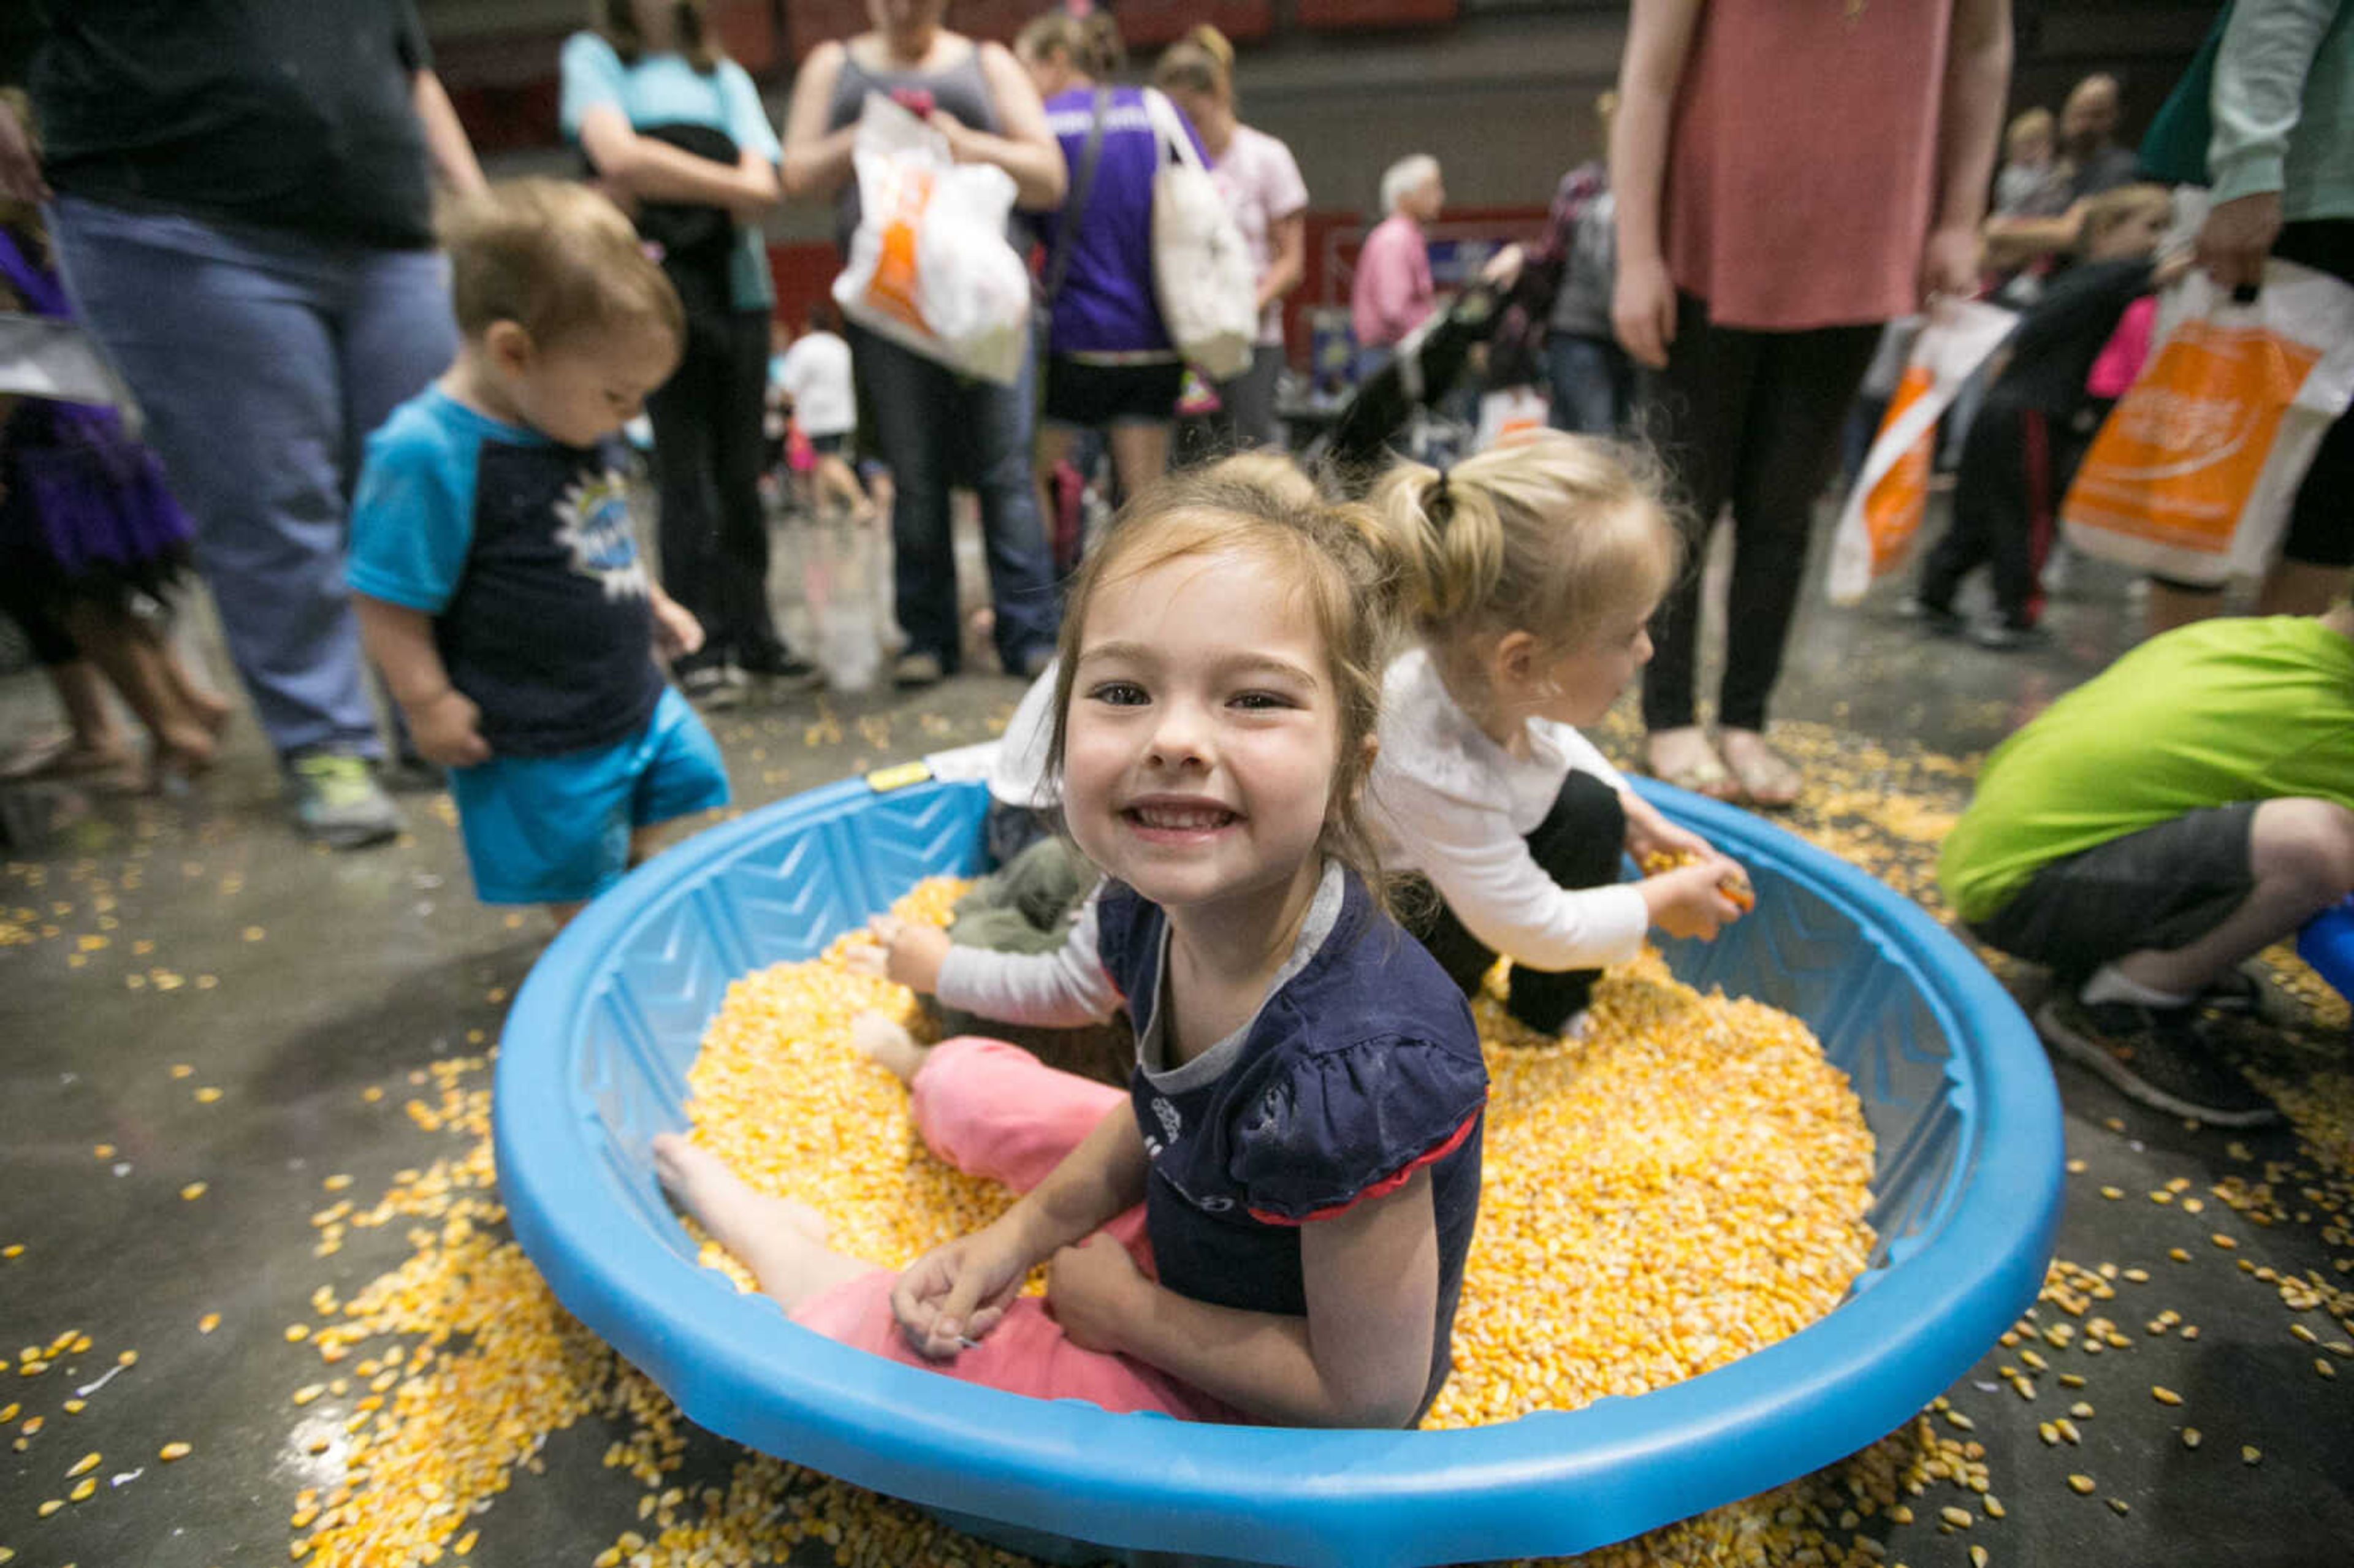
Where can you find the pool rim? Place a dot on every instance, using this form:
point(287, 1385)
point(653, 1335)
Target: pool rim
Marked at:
point(1549, 1483)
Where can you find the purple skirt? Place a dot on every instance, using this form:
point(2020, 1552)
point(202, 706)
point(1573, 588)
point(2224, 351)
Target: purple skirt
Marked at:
point(90, 499)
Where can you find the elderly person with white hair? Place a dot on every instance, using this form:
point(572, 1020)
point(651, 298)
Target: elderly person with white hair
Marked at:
point(1392, 291)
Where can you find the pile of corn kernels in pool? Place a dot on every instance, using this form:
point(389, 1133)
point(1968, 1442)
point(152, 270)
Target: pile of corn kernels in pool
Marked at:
point(417, 1400)
point(1683, 1186)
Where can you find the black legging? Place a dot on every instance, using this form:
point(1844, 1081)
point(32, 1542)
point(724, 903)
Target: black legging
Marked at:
point(1580, 844)
point(715, 538)
point(1752, 417)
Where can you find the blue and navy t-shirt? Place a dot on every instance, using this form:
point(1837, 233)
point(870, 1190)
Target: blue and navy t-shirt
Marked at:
point(522, 551)
point(1361, 1068)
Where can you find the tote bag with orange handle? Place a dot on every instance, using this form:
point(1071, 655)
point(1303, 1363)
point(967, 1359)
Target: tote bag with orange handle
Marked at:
point(2192, 475)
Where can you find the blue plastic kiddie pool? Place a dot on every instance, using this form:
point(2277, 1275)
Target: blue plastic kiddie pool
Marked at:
point(2328, 944)
point(594, 1063)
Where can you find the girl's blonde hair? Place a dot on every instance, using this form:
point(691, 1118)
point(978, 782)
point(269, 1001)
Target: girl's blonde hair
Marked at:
point(1091, 43)
point(616, 20)
point(1342, 569)
point(1550, 533)
point(1201, 61)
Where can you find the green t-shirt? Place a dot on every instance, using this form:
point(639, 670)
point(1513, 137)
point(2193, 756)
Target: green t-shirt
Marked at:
point(2216, 712)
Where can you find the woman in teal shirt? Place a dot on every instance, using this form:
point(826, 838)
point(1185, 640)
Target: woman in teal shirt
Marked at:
point(677, 134)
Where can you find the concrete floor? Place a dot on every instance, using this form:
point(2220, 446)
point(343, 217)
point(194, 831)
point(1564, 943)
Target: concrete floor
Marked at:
point(197, 933)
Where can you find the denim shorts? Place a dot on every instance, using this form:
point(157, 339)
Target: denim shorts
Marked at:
point(556, 829)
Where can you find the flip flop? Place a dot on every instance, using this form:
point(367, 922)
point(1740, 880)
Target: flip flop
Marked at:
point(1771, 781)
point(1705, 775)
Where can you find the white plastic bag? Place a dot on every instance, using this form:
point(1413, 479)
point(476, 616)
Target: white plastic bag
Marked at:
point(1882, 512)
point(1510, 411)
point(930, 266)
point(1201, 271)
point(839, 580)
point(2193, 474)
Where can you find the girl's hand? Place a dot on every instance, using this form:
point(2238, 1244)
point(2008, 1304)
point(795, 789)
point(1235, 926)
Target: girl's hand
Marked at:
point(1697, 900)
point(1090, 1286)
point(1643, 312)
point(448, 730)
point(676, 631)
point(1650, 836)
point(950, 1299)
point(907, 954)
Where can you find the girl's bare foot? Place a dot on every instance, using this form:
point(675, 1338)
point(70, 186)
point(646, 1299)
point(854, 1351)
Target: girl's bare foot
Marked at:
point(783, 1242)
point(889, 1044)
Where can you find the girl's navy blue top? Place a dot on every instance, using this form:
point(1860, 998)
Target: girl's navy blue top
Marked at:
point(1361, 1068)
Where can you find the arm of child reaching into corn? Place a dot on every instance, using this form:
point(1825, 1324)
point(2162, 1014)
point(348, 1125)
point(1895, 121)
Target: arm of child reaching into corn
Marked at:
point(1061, 989)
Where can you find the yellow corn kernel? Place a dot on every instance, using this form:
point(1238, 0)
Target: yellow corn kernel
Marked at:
point(171, 1451)
point(83, 1466)
point(2080, 1485)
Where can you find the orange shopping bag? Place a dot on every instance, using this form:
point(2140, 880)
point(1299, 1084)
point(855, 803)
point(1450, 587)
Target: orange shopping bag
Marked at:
point(2192, 475)
point(1884, 508)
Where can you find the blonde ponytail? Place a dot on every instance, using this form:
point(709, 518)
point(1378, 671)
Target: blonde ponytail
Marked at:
point(1553, 534)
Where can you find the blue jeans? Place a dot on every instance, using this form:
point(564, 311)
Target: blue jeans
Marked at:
point(1593, 382)
point(261, 359)
point(934, 429)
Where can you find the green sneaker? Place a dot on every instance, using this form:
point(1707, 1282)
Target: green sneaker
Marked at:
point(338, 801)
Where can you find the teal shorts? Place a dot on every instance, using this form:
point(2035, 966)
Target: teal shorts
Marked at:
point(556, 829)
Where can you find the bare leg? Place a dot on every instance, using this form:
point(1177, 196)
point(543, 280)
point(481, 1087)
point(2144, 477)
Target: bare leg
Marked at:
point(888, 1044)
point(780, 1241)
point(1139, 455)
point(183, 744)
point(2302, 855)
point(2170, 606)
point(94, 741)
point(1054, 445)
point(2298, 587)
point(206, 706)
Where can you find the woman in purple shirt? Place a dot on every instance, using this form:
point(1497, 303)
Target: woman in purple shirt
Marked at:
point(1109, 364)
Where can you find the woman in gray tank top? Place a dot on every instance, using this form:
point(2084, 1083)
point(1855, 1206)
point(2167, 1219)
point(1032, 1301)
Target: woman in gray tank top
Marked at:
point(933, 428)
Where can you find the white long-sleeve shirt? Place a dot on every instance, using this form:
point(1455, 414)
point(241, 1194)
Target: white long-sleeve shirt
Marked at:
point(1447, 801)
point(1061, 989)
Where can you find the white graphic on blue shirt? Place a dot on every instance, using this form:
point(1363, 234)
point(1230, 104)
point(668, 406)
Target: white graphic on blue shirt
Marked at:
point(593, 524)
point(1171, 1123)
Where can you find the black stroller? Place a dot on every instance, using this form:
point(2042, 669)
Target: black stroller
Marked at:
point(1400, 402)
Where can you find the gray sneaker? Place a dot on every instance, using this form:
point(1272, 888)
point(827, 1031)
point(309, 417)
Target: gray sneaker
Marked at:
point(338, 801)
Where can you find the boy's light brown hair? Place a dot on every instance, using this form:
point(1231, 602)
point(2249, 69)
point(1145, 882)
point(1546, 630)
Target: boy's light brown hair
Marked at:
point(556, 259)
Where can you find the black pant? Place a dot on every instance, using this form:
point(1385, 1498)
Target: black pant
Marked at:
point(2016, 465)
point(715, 538)
point(1579, 844)
point(1752, 417)
point(2320, 523)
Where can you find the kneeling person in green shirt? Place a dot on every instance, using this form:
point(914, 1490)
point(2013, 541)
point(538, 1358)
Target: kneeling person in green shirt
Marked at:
point(2185, 808)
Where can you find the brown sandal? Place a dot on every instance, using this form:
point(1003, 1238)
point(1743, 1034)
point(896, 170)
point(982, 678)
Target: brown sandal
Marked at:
point(1766, 779)
point(1704, 774)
